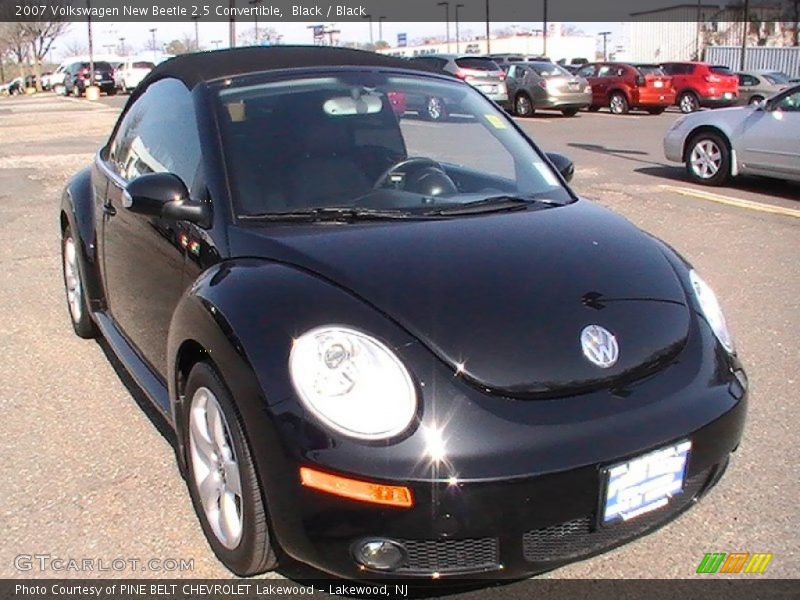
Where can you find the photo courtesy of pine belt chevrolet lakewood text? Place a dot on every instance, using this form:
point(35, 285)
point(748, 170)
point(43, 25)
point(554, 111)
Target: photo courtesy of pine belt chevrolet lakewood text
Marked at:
point(391, 346)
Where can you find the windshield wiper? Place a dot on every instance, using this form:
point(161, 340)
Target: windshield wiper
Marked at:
point(487, 205)
point(330, 213)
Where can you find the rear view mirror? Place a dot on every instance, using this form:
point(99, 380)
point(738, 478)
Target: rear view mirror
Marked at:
point(347, 105)
point(164, 195)
point(563, 165)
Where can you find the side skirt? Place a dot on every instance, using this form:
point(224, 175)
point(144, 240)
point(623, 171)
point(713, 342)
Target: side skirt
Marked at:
point(142, 374)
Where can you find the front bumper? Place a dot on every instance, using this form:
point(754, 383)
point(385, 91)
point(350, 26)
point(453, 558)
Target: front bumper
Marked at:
point(519, 489)
point(718, 101)
point(674, 142)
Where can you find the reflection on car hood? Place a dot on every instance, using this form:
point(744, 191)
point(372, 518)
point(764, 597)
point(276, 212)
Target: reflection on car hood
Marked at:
point(504, 297)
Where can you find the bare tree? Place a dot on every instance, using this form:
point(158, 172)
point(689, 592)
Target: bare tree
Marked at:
point(76, 48)
point(185, 45)
point(12, 37)
point(265, 34)
point(41, 35)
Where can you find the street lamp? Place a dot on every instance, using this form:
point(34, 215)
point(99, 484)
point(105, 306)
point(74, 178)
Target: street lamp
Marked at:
point(255, 3)
point(380, 27)
point(488, 42)
point(458, 38)
point(447, 20)
point(216, 44)
point(605, 35)
point(544, 30)
point(371, 38)
point(153, 34)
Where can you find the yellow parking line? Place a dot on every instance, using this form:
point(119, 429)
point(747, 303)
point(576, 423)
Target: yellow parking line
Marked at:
point(737, 202)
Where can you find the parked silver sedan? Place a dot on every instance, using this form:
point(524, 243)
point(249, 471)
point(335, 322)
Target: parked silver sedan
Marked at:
point(762, 139)
point(757, 86)
point(480, 72)
point(534, 85)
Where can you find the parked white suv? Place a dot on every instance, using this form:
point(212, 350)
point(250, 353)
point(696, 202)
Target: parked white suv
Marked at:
point(130, 73)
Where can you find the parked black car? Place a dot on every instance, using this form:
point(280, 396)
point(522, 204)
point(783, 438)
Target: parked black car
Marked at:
point(387, 347)
point(79, 76)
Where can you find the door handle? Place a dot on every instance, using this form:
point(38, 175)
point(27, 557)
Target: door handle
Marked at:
point(109, 209)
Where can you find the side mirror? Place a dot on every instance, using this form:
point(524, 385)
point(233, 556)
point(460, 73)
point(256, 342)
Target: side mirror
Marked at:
point(164, 195)
point(563, 164)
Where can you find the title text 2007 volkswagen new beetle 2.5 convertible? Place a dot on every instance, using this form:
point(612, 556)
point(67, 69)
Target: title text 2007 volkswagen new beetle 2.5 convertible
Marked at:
point(391, 347)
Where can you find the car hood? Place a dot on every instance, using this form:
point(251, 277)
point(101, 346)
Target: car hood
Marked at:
point(503, 298)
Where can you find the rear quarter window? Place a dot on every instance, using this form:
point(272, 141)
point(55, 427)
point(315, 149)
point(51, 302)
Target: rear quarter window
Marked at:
point(720, 70)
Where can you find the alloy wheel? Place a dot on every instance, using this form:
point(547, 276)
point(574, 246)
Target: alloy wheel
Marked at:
point(434, 107)
point(73, 280)
point(215, 469)
point(523, 106)
point(617, 104)
point(688, 103)
point(706, 158)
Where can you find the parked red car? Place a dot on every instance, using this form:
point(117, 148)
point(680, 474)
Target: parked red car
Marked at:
point(701, 84)
point(623, 87)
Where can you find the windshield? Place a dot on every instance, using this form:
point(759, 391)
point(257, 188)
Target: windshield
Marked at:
point(477, 64)
point(776, 77)
point(379, 142)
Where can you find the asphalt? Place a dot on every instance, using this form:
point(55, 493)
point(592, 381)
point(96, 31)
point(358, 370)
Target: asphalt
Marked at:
point(87, 473)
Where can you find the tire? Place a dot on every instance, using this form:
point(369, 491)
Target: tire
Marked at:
point(245, 549)
point(569, 112)
point(77, 305)
point(618, 103)
point(657, 111)
point(755, 100)
point(435, 109)
point(708, 159)
point(523, 105)
point(688, 102)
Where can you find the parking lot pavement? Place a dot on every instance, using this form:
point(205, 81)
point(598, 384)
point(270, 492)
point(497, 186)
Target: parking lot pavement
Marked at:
point(86, 474)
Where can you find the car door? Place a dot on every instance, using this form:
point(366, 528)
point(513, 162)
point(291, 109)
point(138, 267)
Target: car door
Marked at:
point(143, 256)
point(514, 79)
point(589, 73)
point(769, 141)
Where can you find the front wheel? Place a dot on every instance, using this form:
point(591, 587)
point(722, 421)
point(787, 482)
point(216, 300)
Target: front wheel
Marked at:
point(688, 103)
point(221, 476)
point(708, 159)
point(77, 303)
point(618, 103)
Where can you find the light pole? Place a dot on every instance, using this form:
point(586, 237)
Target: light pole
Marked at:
point(488, 41)
point(544, 30)
point(153, 36)
point(371, 37)
point(744, 33)
point(196, 32)
point(216, 44)
point(232, 25)
point(122, 46)
point(458, 37)
point(447, 20)
point(380, 27)
point(255, 3)
point(605, 35)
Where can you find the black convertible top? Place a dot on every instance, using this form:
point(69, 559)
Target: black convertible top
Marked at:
point(207, 66)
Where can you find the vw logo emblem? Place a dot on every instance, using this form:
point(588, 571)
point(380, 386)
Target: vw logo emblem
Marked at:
point(599, 346)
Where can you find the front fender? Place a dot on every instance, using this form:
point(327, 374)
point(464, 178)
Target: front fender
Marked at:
point(244, 315)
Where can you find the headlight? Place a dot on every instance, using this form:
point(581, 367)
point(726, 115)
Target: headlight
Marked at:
point(352, 382)
point(711, 310)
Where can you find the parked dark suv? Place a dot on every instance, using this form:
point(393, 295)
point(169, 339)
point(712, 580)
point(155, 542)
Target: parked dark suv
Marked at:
point(701, 84)
point(79, 77)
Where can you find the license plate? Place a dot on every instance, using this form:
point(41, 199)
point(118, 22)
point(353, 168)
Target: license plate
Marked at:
point(728, 95)
point(658, 83)
point(644, 484)
point(488, 89)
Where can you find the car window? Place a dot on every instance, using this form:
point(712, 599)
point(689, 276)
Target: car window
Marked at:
point(789, 103)
point(747, 80)
point(477, 64)
point(547, 70)
point(607, 71)
point(336, 140)
point(650, 70)
point(158, 134)
point(720, 70)
point(586, 71)
point(776, 78)
point(143, 65)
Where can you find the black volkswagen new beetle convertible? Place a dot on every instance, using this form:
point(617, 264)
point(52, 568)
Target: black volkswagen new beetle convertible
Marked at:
point(391, 347)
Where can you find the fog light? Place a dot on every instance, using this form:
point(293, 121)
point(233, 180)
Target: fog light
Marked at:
point(382, 555)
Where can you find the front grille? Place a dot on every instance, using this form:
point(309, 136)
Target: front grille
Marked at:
point(450, 556)
point(578, 537)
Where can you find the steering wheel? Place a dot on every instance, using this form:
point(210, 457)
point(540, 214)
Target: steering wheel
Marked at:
point(405, 168)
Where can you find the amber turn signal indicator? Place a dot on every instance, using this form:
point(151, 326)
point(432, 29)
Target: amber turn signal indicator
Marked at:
point(364, 491)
